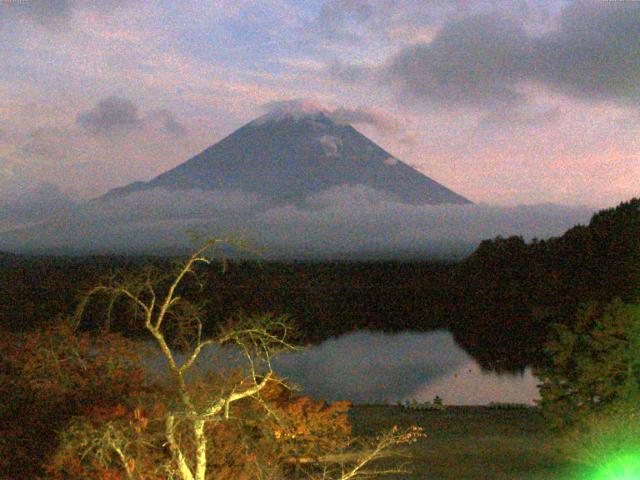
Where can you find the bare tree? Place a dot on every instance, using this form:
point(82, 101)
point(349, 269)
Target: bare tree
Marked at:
point(167, 316)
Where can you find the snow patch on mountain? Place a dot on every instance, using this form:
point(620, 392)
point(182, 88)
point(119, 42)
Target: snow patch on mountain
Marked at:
point(331, 145)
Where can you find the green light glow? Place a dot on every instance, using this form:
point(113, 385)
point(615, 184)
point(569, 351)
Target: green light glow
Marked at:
point(620, 467)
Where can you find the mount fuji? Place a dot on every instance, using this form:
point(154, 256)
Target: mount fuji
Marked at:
point(298, 183)
point(290, 154)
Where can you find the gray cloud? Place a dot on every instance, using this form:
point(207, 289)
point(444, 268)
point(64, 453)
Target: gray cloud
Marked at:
point(53, 14)
point(338, 17)
point(7, 177)
point(293, 107)
point(113, 115)
point(52, 144)
point(365, 116)
point(351, 74)
point(168, 122)
point(473, 62)
point(520, 117)
point(484, 60)
point(594, 53)
point(382, 121)
point(116, 115)
point(33, 204)
point(344, 222)
point(159, 204)
point(400, 20)
point(49, 13)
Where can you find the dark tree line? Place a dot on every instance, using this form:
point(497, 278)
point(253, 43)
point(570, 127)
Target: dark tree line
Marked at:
point(323, 299)
point(510, 292)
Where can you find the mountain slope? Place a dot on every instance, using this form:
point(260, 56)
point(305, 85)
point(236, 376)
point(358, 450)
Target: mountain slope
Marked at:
point(289, 157)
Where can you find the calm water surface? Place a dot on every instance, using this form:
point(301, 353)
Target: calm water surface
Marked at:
point(374, 367)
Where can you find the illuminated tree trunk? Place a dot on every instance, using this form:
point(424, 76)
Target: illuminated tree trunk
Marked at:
point(201, 448)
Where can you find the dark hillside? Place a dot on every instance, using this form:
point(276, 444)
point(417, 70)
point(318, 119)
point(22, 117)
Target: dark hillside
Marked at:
point(509, 291)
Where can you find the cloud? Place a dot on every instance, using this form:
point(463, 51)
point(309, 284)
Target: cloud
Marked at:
point(113, 115)
point(293, 107)
point(33, 204)
point(160, 204)
point(8, 182)
point(378, 119)
point(54, 14)
point(365, 116)
point(168, 121)
point(49, 13)
point(390, 21)
point(48, 143)
point(594, 53)
point(92, 151)
point(45, 85)
point(520, 117)
point(343, 222)
point(337, 18)
point(487, 60)
point(351, 73)
point(474, 62)
point(116, 115)
point(331, 145)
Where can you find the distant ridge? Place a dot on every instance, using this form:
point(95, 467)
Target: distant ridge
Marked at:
point(290, 155)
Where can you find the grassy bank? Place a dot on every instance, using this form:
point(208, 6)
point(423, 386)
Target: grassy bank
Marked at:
point(471, 443)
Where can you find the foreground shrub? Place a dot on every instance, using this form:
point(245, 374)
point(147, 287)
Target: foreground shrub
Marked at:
point(110, 442)
point(51, 375)
point(591, 364)
point(591, 389)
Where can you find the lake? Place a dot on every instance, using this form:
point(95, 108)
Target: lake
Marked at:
point(376, 367)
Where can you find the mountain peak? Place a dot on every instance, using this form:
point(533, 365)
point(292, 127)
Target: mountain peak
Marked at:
point(299, 109)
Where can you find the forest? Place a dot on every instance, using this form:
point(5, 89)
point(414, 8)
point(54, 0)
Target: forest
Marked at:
point(499, 302)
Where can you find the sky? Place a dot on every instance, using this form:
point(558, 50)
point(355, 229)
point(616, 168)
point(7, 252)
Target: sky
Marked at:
point(505, 102)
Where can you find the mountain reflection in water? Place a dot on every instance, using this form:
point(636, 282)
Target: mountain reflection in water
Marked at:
point(375, 367)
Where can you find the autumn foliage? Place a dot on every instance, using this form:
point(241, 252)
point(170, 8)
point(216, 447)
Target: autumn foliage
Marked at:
point(50, 376)
point(70, 401)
